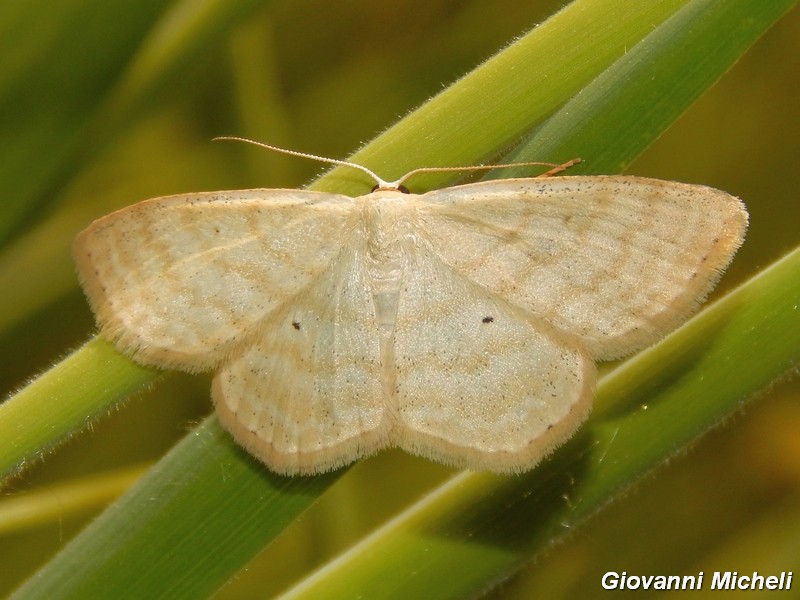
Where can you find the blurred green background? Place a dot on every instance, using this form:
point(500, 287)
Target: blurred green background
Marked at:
point(105, 105)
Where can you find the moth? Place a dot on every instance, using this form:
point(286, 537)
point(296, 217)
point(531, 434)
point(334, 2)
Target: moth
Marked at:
point(462, 324)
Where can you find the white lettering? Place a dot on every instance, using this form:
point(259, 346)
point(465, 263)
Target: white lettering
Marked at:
point(664, 583)
point(648, 581)
point(610, 580)
point(722, 581)
point(690, 582)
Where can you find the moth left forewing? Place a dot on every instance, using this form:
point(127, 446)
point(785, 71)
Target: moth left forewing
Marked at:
point(180, 281)
point(615, 261)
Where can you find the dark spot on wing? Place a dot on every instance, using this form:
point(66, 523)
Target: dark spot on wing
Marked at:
point(296, 325)
point(487, 319)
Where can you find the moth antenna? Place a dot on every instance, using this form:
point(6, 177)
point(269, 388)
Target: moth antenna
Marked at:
point(381, 184)
point(556, 168)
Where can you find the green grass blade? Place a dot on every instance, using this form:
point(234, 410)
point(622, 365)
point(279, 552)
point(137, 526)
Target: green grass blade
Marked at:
point(480, 528)
point(485, 113)
point(629, 105)
point(200, 484)
point(64, 400)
